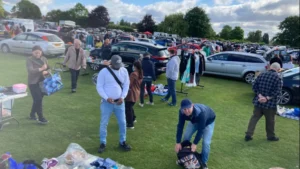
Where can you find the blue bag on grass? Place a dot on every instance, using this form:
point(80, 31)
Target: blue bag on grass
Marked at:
point(51, 84)
point(29, 164)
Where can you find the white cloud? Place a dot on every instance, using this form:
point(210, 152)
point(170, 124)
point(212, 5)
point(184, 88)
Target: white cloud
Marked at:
point(90, 7)
point(251, 15)
point(223, 2)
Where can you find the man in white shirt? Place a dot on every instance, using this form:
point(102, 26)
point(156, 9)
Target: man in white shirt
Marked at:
point(113, 95)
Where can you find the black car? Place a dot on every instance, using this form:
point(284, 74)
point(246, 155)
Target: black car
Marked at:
point(291, 87)
point(133, 50)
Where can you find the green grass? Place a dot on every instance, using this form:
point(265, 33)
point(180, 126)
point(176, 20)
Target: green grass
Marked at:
point(75, 118)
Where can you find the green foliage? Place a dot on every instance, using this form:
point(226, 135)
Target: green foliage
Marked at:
point(226, 32)
point(26, 9)
point(265, 38)
point(99, 17)
point(124, 23)
point(2, 11)
point(174, 24)
point(289, 34)
point(198, 23)
point(237, 33)
point(147, 24)
point(255, 36)
point(123, 28)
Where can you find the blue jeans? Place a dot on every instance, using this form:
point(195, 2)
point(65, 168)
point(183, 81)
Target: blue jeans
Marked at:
point(171, 91)
point(207, 136)
point(106, 111)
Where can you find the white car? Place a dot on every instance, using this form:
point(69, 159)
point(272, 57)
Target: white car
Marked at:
point(23, 43)
point(236, 64)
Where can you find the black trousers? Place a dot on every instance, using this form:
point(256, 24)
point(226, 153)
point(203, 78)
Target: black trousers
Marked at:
point(129, 111)
point(37, 97)
point(198, 78)
point(74, 78)
point(148, 85)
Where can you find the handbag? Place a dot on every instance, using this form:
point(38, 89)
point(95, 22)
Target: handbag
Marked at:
point(115, 77)
point(51, 84)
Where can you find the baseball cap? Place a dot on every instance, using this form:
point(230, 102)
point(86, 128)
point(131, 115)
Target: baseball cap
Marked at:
point(116, 61)
point(185, 104)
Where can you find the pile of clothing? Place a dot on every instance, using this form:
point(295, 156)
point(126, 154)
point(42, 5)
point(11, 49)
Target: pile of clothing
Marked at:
point(293, 113)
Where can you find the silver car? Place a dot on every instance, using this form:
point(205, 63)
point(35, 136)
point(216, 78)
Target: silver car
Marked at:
point(236, 64)
point(23, 43)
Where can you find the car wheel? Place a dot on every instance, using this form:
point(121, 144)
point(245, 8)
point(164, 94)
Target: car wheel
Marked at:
point(5, 49)
point(249, 77)
point(94, 66)
point(285, 97)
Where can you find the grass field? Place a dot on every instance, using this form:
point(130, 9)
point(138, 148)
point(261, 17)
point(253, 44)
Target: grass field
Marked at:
point(75, 118)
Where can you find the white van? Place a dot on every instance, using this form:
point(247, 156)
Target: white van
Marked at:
point(28, 23)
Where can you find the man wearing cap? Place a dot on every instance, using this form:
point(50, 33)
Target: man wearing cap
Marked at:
point(113, 93)
point(202, 120)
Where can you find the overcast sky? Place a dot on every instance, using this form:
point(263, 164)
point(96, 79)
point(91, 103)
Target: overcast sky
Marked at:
point(251, 15)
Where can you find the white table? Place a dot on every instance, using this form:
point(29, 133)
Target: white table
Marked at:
point(9, 98)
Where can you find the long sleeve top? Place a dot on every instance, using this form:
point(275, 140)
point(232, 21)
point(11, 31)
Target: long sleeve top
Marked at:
point(172, 70)
point(33, 65)
point(202, 116)
point(108, 87)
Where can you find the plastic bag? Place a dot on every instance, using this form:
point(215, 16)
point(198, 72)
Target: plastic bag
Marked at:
point(51, 84)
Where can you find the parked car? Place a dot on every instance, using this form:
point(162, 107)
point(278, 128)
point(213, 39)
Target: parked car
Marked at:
point(164, 42)
point(186, 46)
point(287, 62)
point(24, 42)
point(236, 64)
point(291, 87)
point(51, 31)
point(132, 50)
point(146, 40)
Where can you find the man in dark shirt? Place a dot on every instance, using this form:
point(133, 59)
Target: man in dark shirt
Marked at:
point(276, 59)
point(202, 120)
point(267, 88)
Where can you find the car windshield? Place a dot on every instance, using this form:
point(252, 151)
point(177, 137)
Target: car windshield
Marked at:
point(53, 38)
point(291, 72)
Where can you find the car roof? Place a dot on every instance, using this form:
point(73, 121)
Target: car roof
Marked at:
point(241, 53)
point(53, 30)
point(39, 33)
point(144, 44)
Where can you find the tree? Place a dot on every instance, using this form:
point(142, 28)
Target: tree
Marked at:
point(2, 11)
point(124, 23)
point(255, 36)
point(78, 11)
point(174, 24)
point(289, 34)
point(212, 34)
point(198, 23)
point(147, 24)
point(26, 9)
point(258, 36)
point(226, 32)
point(265, 38)
point(99, 17)
point(54, 15)
point(237, 33)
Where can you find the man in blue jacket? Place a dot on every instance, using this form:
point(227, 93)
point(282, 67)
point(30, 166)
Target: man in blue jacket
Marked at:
point(202, 120)
point(149, 76)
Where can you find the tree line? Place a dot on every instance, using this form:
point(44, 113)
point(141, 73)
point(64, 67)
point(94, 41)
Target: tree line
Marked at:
point(194, 23)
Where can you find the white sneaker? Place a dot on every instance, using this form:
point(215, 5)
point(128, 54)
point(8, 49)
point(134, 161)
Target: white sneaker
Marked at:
point(140, 104)
point(150, 103)
point(134, 121)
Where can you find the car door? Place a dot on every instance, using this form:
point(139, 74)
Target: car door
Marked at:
point(18, 43)
point(31, 41)
point(132, 48)
point(216, 64)
point(296, 87)
point(236, 64)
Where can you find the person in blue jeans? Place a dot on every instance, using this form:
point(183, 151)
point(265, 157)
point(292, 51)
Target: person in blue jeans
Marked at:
point(201, 120)
point(149, 76)
point(172, 73)
point(113, 95)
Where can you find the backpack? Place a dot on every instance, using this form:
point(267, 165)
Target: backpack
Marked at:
point(187, 158)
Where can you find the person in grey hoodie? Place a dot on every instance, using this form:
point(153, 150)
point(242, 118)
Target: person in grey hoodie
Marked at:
point(172, 73)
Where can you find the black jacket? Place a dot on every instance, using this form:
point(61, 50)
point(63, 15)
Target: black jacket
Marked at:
point(276, 59)
point(148, 68)
point(106, 51)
